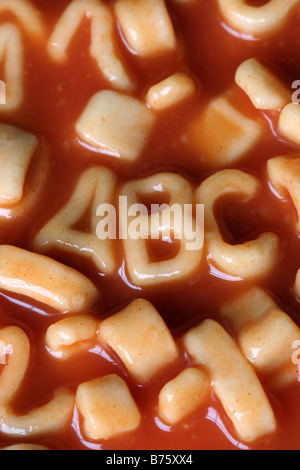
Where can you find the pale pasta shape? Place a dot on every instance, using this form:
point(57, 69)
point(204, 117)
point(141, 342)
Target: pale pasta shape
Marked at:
point(183, 395)
point(264, 88)
point(265, 334)
point(284, 174)
point(25, 447)
point(71, 336)
point(222, 135)
point(249, 260)
point(146, 25)
point(254, 20)
point(45, 280)
point(234, 380)
point(289, 123)
point(171, 91)
point(141, 339)
point(142, 270)
point(17, 149)
point(12, 54)
point(95, 187)
point(116, 124)
point(28, 16)
point(13, 373)
point(24, 168)
point(297, 284)
point(3, 353)
point(107, 408)
point(12, 49)
point(45, 420)
point(247, 308)
point(103, 47)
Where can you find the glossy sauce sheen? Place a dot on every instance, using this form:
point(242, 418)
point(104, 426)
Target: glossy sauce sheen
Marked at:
point(55, 97)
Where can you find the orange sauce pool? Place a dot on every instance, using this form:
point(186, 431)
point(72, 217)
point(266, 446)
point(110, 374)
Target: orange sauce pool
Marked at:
point(55, 97)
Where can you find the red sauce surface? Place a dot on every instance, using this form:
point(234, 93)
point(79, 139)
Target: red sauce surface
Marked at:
point(55, 97)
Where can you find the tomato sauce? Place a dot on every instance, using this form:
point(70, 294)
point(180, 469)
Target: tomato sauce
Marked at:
point(56, 94)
